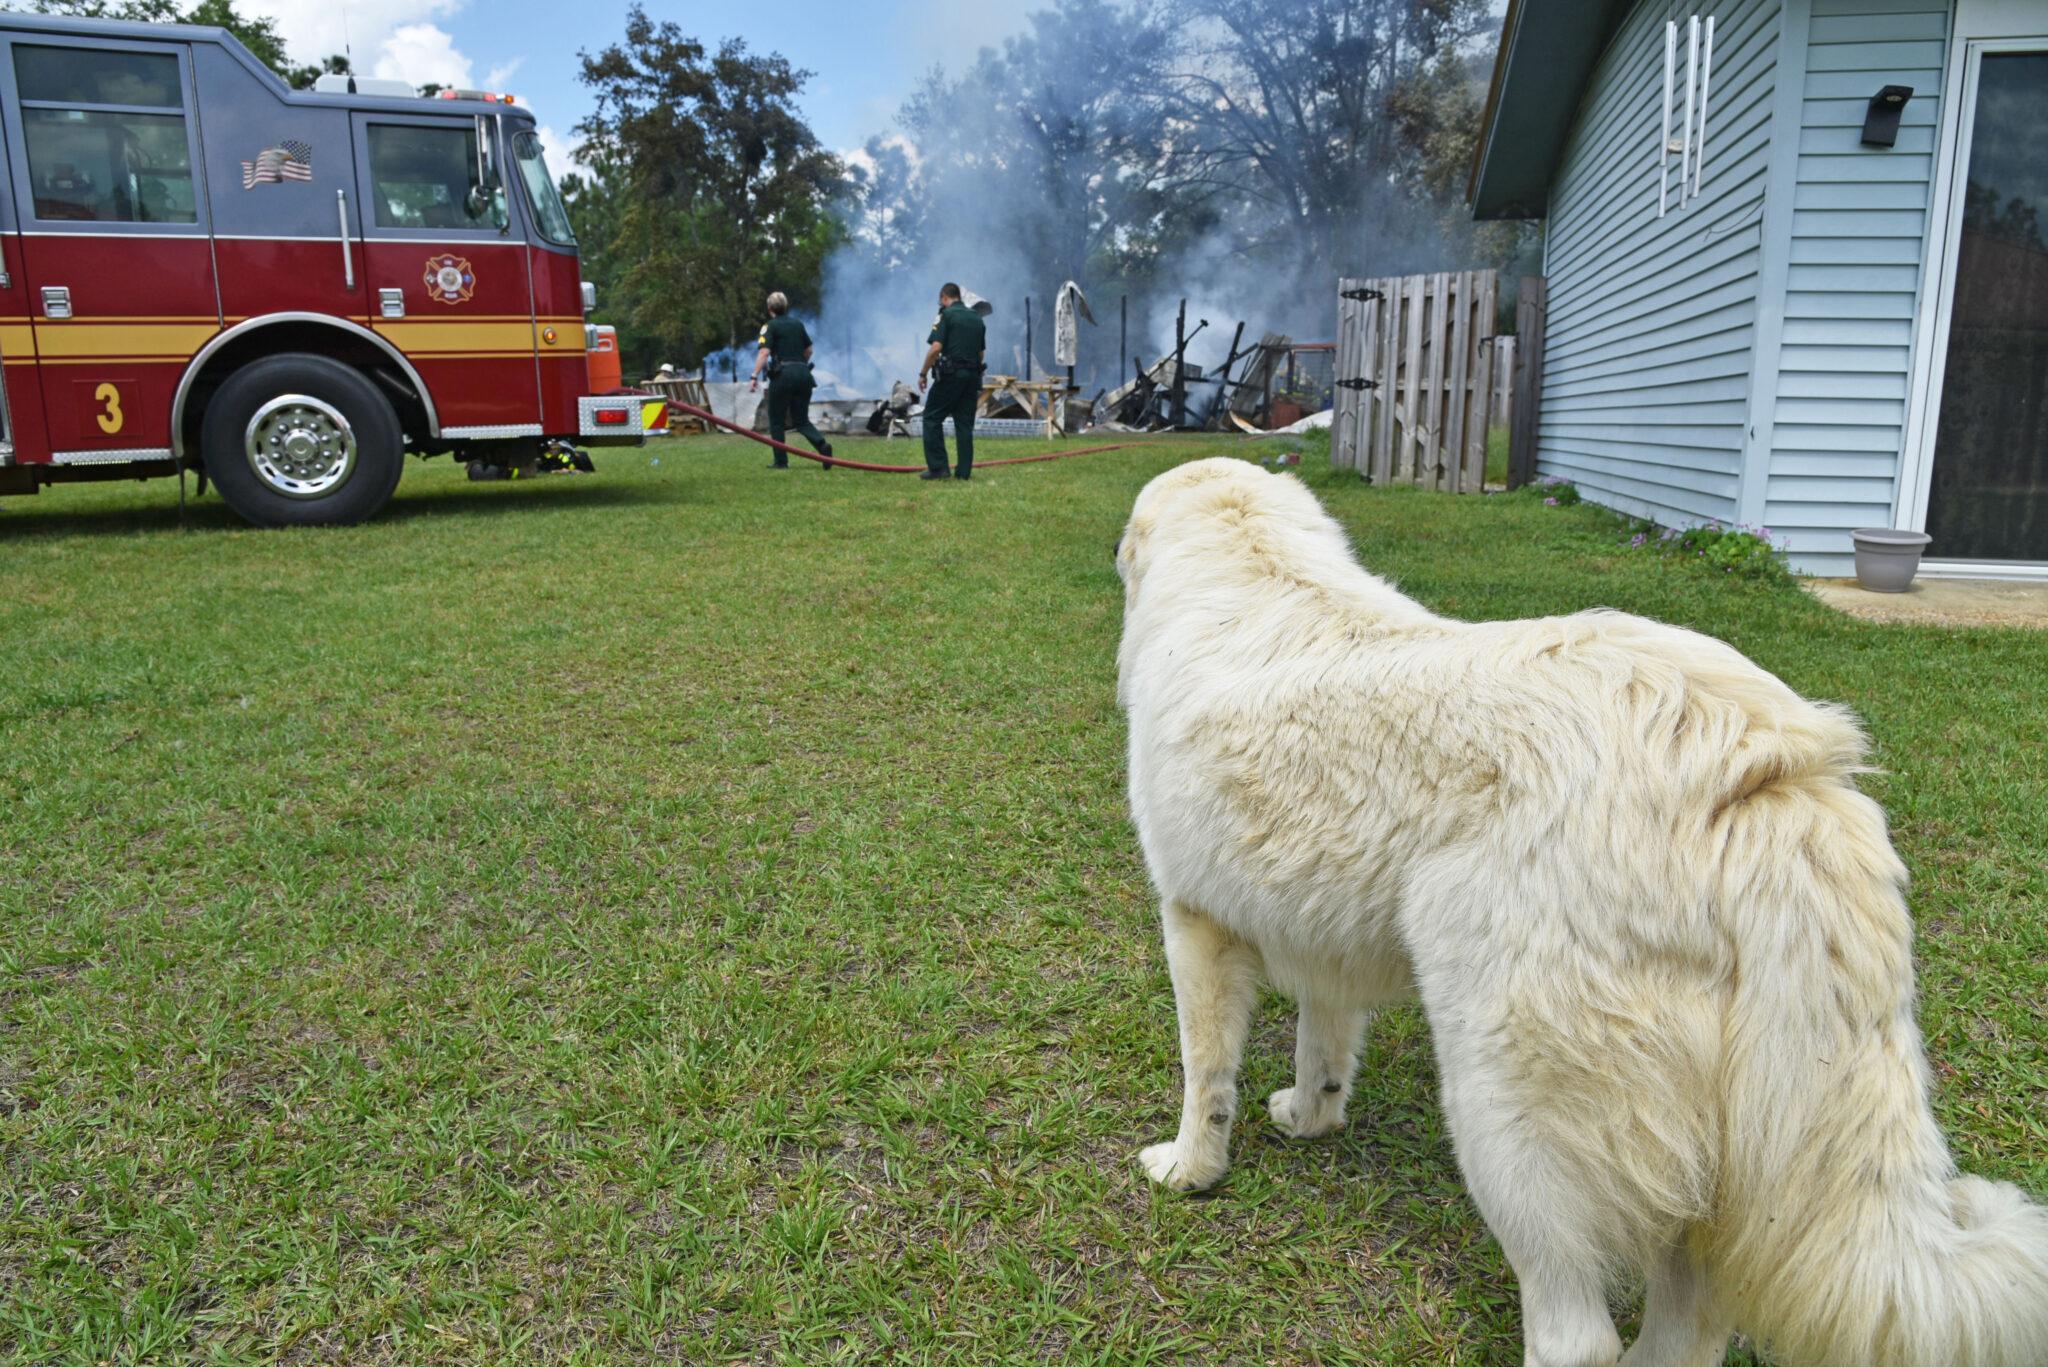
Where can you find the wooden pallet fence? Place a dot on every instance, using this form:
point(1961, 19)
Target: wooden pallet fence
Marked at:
point(1415, 374)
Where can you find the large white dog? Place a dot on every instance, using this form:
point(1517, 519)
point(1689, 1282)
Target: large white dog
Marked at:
point(1659, 935)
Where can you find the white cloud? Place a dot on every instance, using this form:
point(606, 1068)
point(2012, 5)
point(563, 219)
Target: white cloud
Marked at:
point(313, 29)
point(560, 152)
point(856, 159)
point(860, 159)
point(423, 53)
point(394, 39)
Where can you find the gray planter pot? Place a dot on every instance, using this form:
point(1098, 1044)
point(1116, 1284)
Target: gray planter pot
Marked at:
point(1887, 559)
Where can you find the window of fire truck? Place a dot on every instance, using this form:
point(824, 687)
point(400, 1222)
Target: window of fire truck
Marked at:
point(106, 136)
point(550, 215)
point(426, 177)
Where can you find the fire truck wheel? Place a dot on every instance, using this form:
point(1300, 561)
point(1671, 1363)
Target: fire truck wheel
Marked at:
point(298, 440)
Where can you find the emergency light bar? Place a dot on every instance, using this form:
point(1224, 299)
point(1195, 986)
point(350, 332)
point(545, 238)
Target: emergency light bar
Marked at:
point(488, 97)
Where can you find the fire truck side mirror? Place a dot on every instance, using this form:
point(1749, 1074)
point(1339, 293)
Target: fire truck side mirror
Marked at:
point(480, 197)
point(589, 299)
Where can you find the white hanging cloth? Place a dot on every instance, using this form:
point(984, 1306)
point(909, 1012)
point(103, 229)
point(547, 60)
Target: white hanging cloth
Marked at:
point(1066, 329)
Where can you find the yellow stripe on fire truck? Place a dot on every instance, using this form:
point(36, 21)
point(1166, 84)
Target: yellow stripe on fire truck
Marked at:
point(171, 341)
point(425, 337)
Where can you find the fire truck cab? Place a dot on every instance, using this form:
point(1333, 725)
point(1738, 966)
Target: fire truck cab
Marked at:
point(283, 290)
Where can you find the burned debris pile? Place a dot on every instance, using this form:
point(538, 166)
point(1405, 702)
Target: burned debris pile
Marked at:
point(1269, 384)
point(1260, 386)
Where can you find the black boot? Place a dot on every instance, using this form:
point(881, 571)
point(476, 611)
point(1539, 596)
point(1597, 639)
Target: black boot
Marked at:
point(933, 474)
point(825, 450)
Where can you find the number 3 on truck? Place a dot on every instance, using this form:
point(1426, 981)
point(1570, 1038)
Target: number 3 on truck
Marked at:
point(109, 417)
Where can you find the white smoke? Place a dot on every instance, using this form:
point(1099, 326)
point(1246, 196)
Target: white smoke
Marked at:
point(991, 228)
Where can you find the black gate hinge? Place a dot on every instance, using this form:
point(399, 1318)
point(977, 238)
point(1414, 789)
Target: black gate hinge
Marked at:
point(1361, 295)
point(1358, 384)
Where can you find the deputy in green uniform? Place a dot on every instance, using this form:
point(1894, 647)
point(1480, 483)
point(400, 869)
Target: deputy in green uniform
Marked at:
point(785, 353)
point(959, 342)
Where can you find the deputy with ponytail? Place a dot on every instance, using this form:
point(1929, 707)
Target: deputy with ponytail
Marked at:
point(785, 353)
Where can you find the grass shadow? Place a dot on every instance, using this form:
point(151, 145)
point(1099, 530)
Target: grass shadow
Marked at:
point(209, 514)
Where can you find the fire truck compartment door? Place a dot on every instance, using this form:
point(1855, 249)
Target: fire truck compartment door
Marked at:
point(440, 229)
point(103, 142)
point(21, 398)
point(279, 179)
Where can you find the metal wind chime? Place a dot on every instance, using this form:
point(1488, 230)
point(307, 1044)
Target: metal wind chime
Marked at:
point(1690, 146)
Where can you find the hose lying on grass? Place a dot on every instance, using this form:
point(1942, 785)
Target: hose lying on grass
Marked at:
point(710, 417)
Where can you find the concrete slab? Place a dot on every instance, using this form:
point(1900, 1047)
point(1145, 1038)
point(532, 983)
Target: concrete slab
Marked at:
point(1941, 602)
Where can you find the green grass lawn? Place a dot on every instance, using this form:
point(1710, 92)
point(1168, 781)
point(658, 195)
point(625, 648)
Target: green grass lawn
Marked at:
point(690, 913)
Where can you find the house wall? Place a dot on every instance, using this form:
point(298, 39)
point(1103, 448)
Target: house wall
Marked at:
point(1851, 274)
point(1652, 322)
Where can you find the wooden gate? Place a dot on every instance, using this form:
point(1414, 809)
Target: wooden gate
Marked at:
point(1531, 309)
point(1415, 378)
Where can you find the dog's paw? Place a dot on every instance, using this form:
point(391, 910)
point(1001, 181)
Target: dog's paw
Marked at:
point(1311, 1119)
point(1170, 1168)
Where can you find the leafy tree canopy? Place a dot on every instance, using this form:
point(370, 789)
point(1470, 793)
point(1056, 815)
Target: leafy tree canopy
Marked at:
point(708, 188)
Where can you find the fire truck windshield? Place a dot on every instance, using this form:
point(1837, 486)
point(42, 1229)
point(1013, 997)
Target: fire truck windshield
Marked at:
point(549, 213)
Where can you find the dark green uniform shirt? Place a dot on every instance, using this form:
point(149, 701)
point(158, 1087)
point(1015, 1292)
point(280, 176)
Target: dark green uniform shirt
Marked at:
point(785, 339)
point(961, 334)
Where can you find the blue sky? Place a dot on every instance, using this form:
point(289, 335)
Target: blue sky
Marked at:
point(866, 56)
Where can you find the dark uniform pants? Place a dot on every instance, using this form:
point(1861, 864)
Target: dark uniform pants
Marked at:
point(789, 406)
point(954, 396)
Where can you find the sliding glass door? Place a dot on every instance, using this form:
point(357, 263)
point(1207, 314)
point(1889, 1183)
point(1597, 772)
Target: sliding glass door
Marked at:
point(1987, 493)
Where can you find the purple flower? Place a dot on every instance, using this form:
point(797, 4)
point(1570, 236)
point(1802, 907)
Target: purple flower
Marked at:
point(1550, 503)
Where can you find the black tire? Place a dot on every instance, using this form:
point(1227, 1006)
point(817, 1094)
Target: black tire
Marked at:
point(343, 404)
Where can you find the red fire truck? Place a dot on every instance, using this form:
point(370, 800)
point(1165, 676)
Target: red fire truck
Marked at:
point(285, 291)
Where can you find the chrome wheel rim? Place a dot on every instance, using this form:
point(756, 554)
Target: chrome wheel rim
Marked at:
point(300, 446)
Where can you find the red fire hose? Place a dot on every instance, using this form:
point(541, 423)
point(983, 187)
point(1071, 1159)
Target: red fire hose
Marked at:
point(710, 417)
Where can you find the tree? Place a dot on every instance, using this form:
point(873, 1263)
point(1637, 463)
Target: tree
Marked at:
point(256, 34)
point(1244, 153)
point(724, 188)
point(1292, 105)
point(1047, 144)
point(595, 201)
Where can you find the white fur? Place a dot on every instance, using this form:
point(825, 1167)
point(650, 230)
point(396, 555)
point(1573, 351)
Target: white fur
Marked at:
point(1660, 937)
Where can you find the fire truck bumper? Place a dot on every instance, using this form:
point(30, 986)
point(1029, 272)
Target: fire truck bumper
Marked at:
point(612, 420)
point(621, 419)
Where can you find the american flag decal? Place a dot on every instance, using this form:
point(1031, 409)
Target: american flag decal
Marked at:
point(289, 160)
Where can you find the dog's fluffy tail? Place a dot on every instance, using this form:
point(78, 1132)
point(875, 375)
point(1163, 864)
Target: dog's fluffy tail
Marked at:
point(1844, 1234)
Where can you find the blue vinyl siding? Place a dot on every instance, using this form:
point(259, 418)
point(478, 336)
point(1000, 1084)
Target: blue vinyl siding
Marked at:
point(1652, 322)
point(1858, 238)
